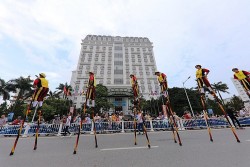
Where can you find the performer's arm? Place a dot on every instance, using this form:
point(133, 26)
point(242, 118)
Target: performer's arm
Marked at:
point(235, 77)
point(206, 71)
point(164, 76)
point(246, 73)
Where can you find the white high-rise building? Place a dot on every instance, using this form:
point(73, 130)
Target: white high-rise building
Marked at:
point(112, 60)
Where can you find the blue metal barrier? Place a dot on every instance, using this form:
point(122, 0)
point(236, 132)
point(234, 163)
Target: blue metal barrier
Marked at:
point(102, 127)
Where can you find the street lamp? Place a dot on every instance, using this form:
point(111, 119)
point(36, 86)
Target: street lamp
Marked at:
point(187, 96)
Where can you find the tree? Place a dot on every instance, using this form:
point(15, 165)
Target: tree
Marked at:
point(236, 103)
point(179, 101)
point(101, 98)
point(24, 88)
point(3, 108)
point(65, 89)
point(54, 95)
point(3, 91)
point(220, 87)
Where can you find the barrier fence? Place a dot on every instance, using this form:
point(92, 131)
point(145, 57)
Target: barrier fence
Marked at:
point(117, 127)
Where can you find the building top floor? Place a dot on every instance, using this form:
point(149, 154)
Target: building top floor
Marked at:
point(116, 39)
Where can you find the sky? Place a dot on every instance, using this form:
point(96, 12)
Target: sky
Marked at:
point(45, 35)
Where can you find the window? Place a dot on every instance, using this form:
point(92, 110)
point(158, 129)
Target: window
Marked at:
point(118, 47)
point(118, 72)
point(118, 81)
point(118, 62)
point(118, 55)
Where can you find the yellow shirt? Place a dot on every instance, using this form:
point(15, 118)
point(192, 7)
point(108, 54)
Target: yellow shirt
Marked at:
point(199, 73)
point(160, 78)
point(240, 75)
point(44, 82)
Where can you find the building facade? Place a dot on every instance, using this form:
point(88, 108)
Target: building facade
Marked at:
point(112, 60)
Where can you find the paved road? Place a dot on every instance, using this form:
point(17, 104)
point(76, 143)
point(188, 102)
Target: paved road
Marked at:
point(117, 150)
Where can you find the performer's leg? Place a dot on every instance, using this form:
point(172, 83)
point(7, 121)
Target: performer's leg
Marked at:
point(208, 85)
point(246, 85)
point(233, 120)
point(200, 86)
point(238, 122)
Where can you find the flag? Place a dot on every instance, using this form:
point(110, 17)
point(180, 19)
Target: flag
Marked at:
point(68, 92)
point(65, 90)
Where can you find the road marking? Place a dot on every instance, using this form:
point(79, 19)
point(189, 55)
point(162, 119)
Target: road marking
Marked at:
point(247, 140)
point(126, 148)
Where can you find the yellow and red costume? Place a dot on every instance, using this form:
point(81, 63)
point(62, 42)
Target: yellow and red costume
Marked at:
point(162, 78)
point(243, 78)
point(201, 78)
point(135, 87)
point(42, 88)
point(91, 87)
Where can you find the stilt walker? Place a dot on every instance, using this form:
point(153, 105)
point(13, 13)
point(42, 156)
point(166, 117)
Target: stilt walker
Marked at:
point(135, 88)
point(162, 78)
point(42, 88)
point(244, 78)
point(201, 76)
point(91, 96)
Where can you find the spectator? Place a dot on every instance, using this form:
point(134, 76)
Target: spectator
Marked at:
point(57, 119)
point(242, 113)
point(67, 125)
point(87, 119)
point(113, 117)
point(232, 116)
point(139, 119)
point(148, 117)
point(160, 116)
point(187, 115)
point(17, 121)
point(77, 119)
point(2, 120)
point(97, 120)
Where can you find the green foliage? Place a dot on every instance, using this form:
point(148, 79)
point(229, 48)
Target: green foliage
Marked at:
point(101, 98)
point(236, 103)
point(3, 108)
point(3, 92)
point(179, 100)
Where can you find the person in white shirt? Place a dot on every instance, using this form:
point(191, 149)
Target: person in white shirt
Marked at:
point(242, 113)
point(140, 122)
point(67, 125)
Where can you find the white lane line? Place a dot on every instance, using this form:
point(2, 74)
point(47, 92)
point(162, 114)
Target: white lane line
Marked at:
point(247, 140)
point(126, 148)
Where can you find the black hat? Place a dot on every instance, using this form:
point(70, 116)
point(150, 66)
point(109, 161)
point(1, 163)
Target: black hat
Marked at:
point(197, 66)
point(235, 69)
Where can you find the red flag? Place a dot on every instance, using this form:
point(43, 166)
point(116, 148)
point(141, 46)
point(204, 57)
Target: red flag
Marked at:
point(65, 90)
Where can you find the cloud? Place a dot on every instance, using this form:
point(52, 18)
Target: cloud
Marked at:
point(48, 34)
